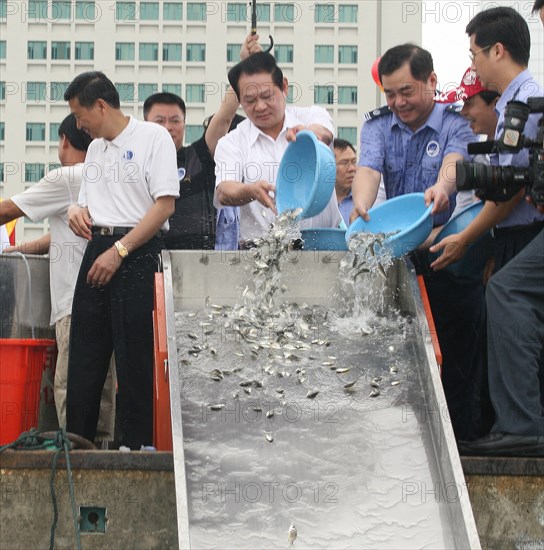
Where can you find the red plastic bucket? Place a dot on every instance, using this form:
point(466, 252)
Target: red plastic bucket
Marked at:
point(22, 362)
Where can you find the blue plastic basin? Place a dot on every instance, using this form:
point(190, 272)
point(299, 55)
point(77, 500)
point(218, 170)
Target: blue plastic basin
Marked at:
point(306, 176)
point(407, 214)
point(324, 239)
point(473, 261)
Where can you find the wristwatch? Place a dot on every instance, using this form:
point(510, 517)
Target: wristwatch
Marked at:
point(122, 249)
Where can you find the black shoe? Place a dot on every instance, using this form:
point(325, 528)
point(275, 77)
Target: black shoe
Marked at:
point(503, 444)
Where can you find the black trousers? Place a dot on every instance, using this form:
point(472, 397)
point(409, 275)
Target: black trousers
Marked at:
point(115, 318)
point(458, 308)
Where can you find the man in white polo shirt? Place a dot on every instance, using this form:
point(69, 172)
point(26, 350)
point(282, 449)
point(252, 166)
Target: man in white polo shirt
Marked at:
point(247, 159)
point(127, 194)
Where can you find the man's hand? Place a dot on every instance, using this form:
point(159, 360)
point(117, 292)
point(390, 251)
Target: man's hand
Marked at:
point(454, 248)
point(320, 132)
point(439, 196)
point(104, 268)
point(79, 221)
point(250, 46)
point(260, 191)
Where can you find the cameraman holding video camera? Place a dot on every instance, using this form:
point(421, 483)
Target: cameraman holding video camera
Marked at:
point(500, 45)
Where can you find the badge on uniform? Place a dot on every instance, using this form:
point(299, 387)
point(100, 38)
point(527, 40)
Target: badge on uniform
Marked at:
point(128, 155)
point(181, 173)
point(433, 148)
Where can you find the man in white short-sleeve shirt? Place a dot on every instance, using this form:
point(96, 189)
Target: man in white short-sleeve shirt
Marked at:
point(130, 183)
point(50, 198)
point(247, 159)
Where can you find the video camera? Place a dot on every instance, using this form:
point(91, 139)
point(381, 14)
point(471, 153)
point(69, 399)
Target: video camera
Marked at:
point(501, 183)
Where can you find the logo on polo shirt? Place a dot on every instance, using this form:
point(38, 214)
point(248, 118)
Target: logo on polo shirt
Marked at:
point(128, 155)
point(433, 148)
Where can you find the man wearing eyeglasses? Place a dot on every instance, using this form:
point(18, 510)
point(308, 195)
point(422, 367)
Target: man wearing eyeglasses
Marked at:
point(500, 45)
point(346, 167)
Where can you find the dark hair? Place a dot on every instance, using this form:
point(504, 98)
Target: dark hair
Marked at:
point(503, 25)
point(79, 139)
point(538, 5)
point(260, 62)
point(342, 144)
point(91, 86)
point(489, 96)
point(420, 60)
point(163, 98)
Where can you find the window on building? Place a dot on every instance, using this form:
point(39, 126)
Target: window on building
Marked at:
point(84, 50)
point(85, 10)
point(54, 131)
point(196, 52)
point(324, 94)
point(194, 93)
point(324, 54)
point(283, 53)
point(145, 90)
point(34, 171)
point(149, 51)
point(125, 11)
point(36, 91)
point(347, 95)
point(324, 13)
point(193, 132)
point(37, 49)
point(56, 91)
point(37, 10)
point(284, 13)
point(3, 49)
point(263, 13)
point(172, 88)
point(347, 54)
point(236, 12)
point(61, 9)
point(35, 131)
point(171, 52)
point(126, 91)
point(149, 11)
point(2, 131)
point(347, 13)
point(196, 11)
point(3, 9)
point(60, 50)
point(2, 90)
point(349, 133)
point(2, 176)
point(293, 94)
point(124, 51)
point(172, 11)
point(233, 53)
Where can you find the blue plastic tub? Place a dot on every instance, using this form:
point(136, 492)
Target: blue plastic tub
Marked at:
point(406, 214)
point(306, 176)
point(324, 239)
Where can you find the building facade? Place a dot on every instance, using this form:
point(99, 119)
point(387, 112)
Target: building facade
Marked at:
point(326, 50)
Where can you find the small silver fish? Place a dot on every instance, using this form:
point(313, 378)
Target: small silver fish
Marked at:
point(192, 335)
point(350, 385)
point(269, 437)
point(269, 414)
point(395, 382)
point(342, 370)
point(257, 409)
point(393, 369)
point(312, 394)
point(374, 393)
point(292, 534)
point(217, 407)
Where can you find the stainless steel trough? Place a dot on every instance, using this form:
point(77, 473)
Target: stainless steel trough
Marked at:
point(348, 470)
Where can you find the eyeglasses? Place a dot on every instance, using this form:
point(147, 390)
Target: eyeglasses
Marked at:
point(347, 162)
point(472, 55)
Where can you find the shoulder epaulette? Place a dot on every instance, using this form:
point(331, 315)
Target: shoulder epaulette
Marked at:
point(454, 108)
point(376, 113)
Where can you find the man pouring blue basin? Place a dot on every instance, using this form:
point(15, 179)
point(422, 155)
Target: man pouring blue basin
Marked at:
point(414, 143)
point(247, 159)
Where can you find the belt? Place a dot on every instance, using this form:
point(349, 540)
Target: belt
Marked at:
point(110, 231)
point(501, 231)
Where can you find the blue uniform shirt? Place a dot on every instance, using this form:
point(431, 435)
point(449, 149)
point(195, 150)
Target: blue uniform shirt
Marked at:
point(521, 88)
point(346, 206)
point(410, 161)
